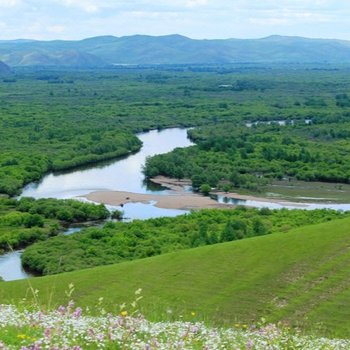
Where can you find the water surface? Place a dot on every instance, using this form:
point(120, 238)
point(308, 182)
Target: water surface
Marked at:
point(11, 267)
point(119, 175)
point(123, 174)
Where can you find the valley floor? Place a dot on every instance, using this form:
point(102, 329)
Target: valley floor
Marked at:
point(180, 198)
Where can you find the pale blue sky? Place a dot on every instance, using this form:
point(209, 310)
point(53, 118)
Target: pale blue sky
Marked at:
point(76, 19)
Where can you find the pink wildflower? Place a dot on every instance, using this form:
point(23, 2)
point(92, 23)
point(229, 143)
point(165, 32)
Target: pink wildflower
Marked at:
point(249, 345)
point(61, 310)
point(47, 332)
point(77, 313)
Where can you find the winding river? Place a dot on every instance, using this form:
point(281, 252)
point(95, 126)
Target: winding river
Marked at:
point(124, 174)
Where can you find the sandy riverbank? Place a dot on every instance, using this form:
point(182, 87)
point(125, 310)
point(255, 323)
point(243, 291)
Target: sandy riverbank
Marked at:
point(176, 200)
point(179, 186)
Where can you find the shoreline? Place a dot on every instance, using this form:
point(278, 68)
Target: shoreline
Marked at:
point(233, 195)
point(179, 185)
point(180, 198)
point(175, 200)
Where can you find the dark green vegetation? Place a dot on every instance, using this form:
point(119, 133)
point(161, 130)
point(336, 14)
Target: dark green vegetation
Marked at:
point(58, 120)
point(228, 156)
point(300, 277)
point(117, 241)
point(26, 221)
point(172, 49)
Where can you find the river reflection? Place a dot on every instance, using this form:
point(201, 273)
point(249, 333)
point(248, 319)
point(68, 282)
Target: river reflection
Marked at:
point(11, 267)
point(122, 175)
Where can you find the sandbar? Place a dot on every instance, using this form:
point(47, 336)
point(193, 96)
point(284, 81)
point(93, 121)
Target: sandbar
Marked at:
point(174, 200)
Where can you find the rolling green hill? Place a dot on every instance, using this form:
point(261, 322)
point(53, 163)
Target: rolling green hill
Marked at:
point(172, 49)
point(300, 277)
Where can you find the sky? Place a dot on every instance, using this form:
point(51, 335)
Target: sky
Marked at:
point(198, 19)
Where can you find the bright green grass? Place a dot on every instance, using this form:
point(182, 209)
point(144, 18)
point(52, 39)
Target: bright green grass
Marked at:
point(302, 277)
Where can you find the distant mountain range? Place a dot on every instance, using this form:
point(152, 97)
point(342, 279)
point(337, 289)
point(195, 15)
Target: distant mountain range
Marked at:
point(172, 49)
point(4, 68)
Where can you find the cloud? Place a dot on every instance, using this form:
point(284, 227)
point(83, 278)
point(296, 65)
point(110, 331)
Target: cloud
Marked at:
point(74, 19)
point(86, 5)
point(57, 29)
point(196, 3)
point(10, 3)
point(289, 17)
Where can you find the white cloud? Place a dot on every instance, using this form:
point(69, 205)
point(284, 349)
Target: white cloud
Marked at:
point(196, 3)
point(10, 3)
point(57, 29)
point(74, 19)
point(86, 5)
point(287, 16)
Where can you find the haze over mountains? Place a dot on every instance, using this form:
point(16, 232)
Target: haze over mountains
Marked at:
point(4, 68)
point(172, 49)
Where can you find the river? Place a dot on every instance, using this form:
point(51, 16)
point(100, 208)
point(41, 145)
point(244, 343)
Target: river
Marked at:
point(123, 174)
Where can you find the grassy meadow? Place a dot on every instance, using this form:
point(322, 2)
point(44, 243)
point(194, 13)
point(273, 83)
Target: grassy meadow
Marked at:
point(299, 277)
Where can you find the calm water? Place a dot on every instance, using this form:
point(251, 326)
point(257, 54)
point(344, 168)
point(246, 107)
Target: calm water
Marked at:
point(11, 267)
point(279, 122)
point(123, 174)
point(279, 205)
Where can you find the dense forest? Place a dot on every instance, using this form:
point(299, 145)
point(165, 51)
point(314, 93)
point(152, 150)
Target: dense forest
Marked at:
point(118, 241)
point(25, 221)
point(57, 120)
point(54, 120)
point(228, 156)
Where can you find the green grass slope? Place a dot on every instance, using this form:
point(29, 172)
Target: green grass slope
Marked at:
point(301, 277)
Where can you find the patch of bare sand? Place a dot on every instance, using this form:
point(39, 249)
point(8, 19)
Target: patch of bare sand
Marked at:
point(179, 185)
point(184, 201)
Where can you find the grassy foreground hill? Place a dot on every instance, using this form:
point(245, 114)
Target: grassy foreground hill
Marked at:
point(300, 277)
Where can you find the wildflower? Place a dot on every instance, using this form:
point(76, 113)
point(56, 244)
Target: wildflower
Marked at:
point(77, 313)
point(61, 309)
point(194, 329)
point(249, 345)
point(124, 313)
point(139, 291)
point(47, 332)
point(21, 336)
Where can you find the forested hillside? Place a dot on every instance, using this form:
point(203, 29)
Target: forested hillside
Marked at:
point(172, 49)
